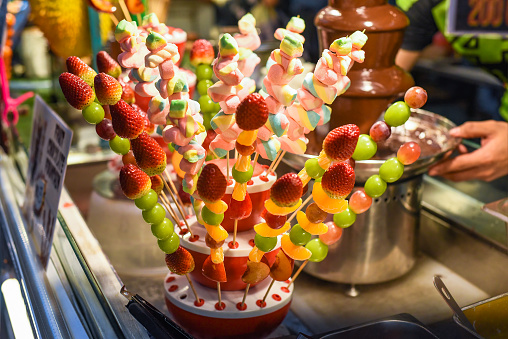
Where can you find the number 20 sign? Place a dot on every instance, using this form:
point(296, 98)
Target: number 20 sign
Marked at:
point(478, 17)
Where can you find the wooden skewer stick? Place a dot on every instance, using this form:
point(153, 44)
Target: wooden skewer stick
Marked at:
point(177, 205)
point(125, 11)
point(113, 18)
point(298, 272)
point(268, 290)
point(299, 208)
point(140, 21)
point(168, 177)
point(192, 287)
point(170, 211)
point(273, 162)
point(216, 156)
point(227, 167)
point(278, 162)
point(218, 294)
point(255, 160)
point(245, 295)
point(235, 230)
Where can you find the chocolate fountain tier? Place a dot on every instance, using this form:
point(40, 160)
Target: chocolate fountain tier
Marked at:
point(378, 81)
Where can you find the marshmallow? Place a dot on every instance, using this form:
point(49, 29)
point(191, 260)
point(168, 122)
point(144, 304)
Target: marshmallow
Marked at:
point(222, 121)
point(247, 65)
point(308, 119)
point(318, 89)
point(324, 74)
point(283, 94)
point(220, 91)
point(342, 46)
point(324, 113)
point(158, 109)
point(146, 89)
point(191, 168)
point(277, 123)
point(268, 149)
point(295, 130)
point(298, 146)
point(230, 104)
point(227, 46)
point(172, 134)
point(307, 100)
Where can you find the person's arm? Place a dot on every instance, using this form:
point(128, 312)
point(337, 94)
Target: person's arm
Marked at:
point(406, 59)
point(487, 163)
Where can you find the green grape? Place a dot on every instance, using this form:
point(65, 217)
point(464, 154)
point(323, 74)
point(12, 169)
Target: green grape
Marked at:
point(397, 114)
point(204, 72)
point(391, 170)
point(93, 113)
point(211, 218)
point(207, 117)
point(299, 236)
point(318, 249)
point(375, 186)
point(203, 85)
point(345, 218)
point(147, 201)
point(313, 169)
point(216, 107)
point(265, 244)
point(365, 148)
point(154, 215)
point(163, 230)
point(170, 244)
point(120, 145)
point(242, 177)
point(206, 104)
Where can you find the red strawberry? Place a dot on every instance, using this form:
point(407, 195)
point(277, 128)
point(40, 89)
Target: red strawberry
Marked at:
point(134, 182)
point(340, 143)
point(339, 180)
point(149, 155)
point(211, 183)
point(107, 89)
point(157, 183)
point(287, 190)
point(255, 272)
point(106, 64)
point(214, 272)
point(252, 112)
point(127, 122)
point(77, 92)
point(149, 127)
point(127, 93)
point(77, 67)
point(180, 262)
point(240, 209)
point(201, 53)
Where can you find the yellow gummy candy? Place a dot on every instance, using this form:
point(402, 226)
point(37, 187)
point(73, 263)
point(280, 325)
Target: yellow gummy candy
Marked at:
point(278, 210)
point(256, 254)
point(247, 138)
point(326, 203)
point(217, 255)
point(217, 207)
point(239, 191)
point(323, 160)
point(314, 229)
point(304, 177)
point(266, 231)
point(243, 163)
point(218, 233)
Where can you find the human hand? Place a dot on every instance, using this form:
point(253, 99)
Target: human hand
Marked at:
point(487, 163)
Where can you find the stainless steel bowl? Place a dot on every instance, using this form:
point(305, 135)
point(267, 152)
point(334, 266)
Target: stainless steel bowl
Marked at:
point(430, 130)
point(382, 244)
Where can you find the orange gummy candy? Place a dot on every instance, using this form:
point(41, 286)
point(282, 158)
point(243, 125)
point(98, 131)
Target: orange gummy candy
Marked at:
point(326, 203)
point(293, 251)
point(278, 210)
point(266, 231)
point(218, 233)
point(256, 254)
point(314, 229)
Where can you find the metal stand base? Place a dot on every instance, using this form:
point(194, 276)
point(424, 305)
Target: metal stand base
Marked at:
point(352, 291)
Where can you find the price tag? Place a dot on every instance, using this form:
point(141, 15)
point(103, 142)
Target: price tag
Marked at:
point(49, 149)
point(478, 17)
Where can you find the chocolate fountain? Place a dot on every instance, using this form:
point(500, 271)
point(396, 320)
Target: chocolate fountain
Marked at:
point(378, 81)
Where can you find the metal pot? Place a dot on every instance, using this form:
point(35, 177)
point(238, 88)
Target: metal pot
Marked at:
point(382, 244)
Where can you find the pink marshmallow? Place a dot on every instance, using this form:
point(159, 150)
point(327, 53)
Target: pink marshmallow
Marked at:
point(295, 131)
point(278, 76)
point(274, 106)
point(307, 100)
point(158, 117)
point(249, 41)
point(173, 134)
point(247, 65)
point(191, 168)
point(230, 104)
point(219, 91)
point(264, 133)
point(324, 74)
point(167, 69)
point(146, 89)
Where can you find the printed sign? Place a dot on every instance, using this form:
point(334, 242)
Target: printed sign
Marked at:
point(49, 149)
point(478, 17)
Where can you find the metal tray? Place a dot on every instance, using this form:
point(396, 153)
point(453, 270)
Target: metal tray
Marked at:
point(398, 326)
point(489, 317)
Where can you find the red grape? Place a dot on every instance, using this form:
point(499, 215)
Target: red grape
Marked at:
point(409, 153)
point(380, 131)
point(332, 235)
point(274, 221)
point(359, 202)
point(415, 97)
point(105, 130)
point(315, 214)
